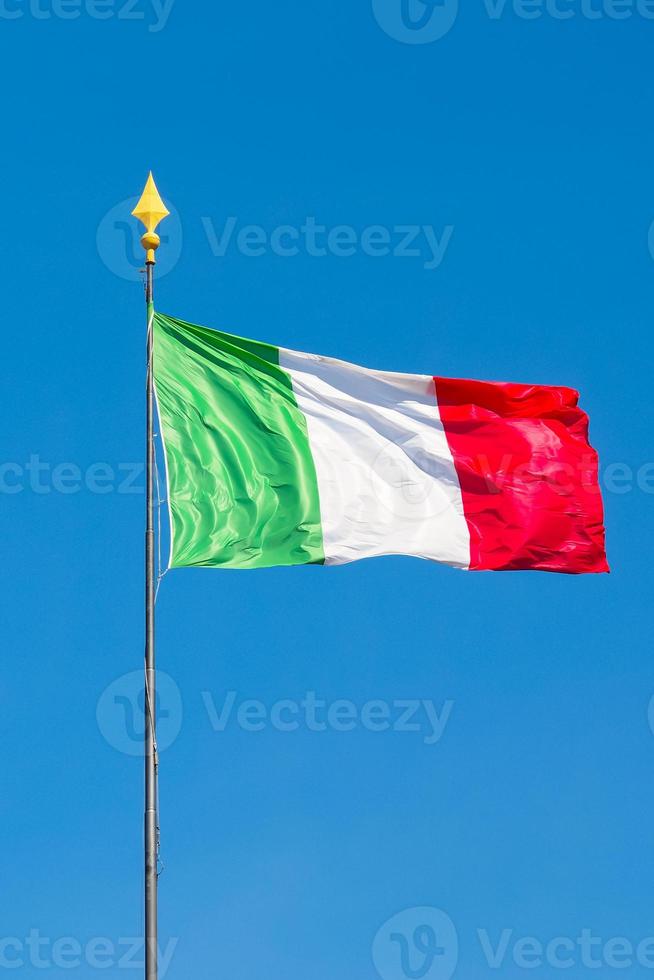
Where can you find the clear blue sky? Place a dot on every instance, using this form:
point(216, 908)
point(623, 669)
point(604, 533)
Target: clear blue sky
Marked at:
point(286, 852)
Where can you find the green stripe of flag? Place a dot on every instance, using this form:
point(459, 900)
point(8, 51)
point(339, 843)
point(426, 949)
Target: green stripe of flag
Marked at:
point(242, 484)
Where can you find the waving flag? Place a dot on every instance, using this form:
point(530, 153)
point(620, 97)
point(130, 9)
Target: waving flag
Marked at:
point(276, 457)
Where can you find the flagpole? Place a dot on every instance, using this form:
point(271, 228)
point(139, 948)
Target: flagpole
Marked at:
point(151, 761)
point(150, 210)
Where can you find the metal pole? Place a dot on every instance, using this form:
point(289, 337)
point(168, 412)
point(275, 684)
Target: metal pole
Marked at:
point(151, 760)
point(150, 211)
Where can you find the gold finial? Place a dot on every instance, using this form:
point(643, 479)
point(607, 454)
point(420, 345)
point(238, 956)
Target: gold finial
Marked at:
point(150, 211)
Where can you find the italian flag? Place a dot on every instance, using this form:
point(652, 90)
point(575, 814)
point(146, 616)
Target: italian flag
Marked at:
point(275, 457)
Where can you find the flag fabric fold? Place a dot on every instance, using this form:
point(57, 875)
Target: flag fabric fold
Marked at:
point(276, 457)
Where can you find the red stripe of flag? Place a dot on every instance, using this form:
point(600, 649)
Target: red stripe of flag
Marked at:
point(528, 475)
